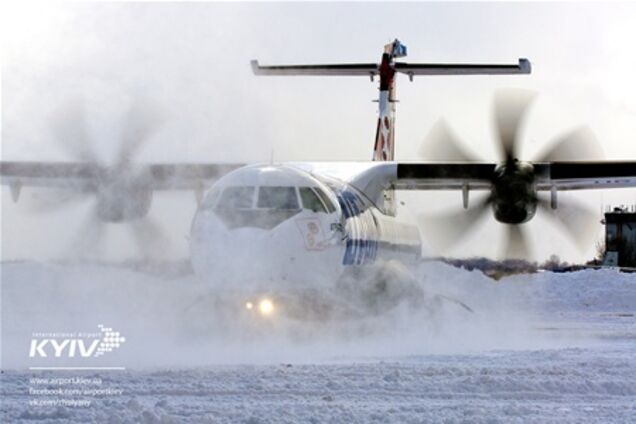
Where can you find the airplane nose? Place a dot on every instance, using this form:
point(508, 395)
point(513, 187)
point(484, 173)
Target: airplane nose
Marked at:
point(247, 256)
point(256, 258)
point(222, 256)
point(266, 225)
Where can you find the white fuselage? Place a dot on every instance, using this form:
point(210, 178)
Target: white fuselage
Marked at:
point(267, 224)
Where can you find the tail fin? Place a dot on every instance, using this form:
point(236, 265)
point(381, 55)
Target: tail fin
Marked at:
point(384, 148)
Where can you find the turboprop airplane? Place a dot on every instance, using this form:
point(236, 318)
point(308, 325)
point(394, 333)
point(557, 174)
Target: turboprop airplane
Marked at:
point(313, 223)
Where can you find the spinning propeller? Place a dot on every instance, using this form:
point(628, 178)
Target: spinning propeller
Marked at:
point(513, 196)
point(119, 192)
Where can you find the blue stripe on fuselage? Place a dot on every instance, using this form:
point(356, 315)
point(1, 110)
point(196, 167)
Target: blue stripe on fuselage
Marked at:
point(360, 252)
point(350, 203)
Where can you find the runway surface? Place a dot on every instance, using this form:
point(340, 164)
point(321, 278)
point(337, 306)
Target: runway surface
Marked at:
point(538, 348)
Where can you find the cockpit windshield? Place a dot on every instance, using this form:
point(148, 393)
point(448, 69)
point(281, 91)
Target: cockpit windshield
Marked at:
point(277, 198)
point(257, 207)
point(237, 197)
point(265, 206)
point(264, 196)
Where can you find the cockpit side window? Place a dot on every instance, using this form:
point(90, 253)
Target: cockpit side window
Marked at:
point(237, 197)
point(311, 200)
point(211, 198)
point(277, 198)
point(325, 199)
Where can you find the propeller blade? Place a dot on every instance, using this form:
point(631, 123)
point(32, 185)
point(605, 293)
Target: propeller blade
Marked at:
point(446, 230)
point(150, 237)
point(141, 122)
point(510, 111)
point(88, 237)
point(53, 200)
point(516, 243)
point(576, 145)
point(441, 145)
point(579, 222)
point(70, 131)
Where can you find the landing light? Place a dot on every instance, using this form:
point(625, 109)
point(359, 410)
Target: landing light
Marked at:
point(249, 305)
point(266, 307)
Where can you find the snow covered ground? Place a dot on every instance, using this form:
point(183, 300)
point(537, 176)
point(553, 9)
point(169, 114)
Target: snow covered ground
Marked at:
point(537, 348)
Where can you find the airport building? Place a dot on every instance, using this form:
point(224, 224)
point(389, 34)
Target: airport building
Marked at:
point(620, 236)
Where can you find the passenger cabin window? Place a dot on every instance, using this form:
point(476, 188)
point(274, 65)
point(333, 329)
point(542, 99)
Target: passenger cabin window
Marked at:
point(236, 198)
point(311, 200)
point(277, 198)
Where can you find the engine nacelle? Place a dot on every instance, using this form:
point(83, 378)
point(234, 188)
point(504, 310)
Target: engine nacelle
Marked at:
point(118, 203)
point(514, 193)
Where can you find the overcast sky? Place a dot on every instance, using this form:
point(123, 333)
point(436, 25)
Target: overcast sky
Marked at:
point(192, 61)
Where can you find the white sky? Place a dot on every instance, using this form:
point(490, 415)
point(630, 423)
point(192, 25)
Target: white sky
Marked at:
point(192, 60)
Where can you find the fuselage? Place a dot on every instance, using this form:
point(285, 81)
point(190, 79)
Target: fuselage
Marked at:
point(280, 224)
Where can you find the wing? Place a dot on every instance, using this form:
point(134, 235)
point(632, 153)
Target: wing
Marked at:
point(560, 175)
point(81, 176)
point(187, 176)
point(443, 176)
point(586, 175)
point(381, 176)
point(89, 176)
point(378, 177)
